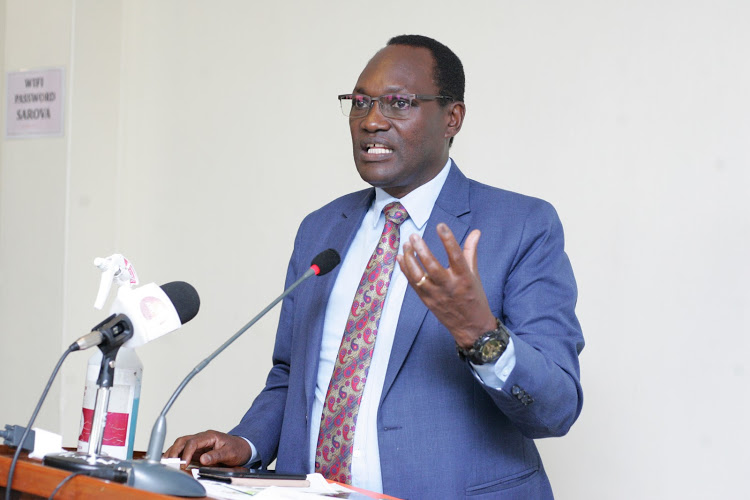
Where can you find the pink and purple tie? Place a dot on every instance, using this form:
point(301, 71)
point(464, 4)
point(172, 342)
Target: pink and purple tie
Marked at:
point(333, 458)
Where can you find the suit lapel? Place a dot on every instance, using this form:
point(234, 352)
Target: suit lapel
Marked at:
point(342, 233)
point(452, 207)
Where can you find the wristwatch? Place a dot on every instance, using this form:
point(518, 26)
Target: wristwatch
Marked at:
point(488, 348)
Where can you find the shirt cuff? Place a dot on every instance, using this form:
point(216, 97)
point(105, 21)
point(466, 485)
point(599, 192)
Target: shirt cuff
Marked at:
point(495, 374)
point(254, 457)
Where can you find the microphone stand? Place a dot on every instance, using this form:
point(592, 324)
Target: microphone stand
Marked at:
point(149, 474)
point(113, 332)
point(105, 382)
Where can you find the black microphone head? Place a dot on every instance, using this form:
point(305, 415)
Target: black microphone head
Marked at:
point(325, 261)
point(184, 298)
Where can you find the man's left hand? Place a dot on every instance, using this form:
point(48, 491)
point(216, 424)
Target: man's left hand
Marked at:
point(454, 295)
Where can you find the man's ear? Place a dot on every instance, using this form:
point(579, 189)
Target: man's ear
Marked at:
point(456, 113)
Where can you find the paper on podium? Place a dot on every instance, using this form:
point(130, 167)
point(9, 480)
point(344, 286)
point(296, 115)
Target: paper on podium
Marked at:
point(319, 489)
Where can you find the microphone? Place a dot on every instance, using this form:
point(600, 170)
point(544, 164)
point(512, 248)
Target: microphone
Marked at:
point(150, 474)
point(325, 262)
point(143, 314)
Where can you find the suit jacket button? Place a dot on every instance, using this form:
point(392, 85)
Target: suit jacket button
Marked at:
point(515, 390)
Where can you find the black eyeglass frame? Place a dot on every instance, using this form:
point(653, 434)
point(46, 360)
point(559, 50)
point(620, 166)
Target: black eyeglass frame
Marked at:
point(385, 110)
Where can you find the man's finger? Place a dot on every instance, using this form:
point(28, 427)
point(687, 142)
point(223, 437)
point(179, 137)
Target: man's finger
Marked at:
point(210, 458)
point(176, 448)
point(470, 250)
point(456, 259)
point(221, 454)
point(409, 264)
point(189, 450)
point(201, 441)
point(230, 450)
point(437, 273)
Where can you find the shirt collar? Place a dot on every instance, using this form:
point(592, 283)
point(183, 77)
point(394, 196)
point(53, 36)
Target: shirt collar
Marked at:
point(418, 203)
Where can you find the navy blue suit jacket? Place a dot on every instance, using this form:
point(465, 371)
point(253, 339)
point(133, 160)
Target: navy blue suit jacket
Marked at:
point(441, 433)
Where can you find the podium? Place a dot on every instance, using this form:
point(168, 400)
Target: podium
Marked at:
point(32, 480)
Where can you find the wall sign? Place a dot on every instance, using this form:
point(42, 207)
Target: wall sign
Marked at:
point(35, 103)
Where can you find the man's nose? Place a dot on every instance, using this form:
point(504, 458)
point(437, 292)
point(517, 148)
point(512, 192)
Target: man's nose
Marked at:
point(374, 119)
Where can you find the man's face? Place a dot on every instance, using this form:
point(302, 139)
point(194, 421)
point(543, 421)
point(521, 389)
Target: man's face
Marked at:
point(400, 155)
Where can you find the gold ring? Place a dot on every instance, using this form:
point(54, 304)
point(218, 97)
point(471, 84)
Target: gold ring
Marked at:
point(421, 280)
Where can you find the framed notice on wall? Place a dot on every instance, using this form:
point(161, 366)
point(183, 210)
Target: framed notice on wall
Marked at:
point(34, 103)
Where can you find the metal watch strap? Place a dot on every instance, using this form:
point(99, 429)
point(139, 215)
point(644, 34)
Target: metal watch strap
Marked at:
point(473, 354)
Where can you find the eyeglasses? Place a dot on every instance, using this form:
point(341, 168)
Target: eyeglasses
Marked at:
point(391, 105)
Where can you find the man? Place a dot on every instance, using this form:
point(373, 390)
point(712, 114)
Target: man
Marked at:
point(429, 423)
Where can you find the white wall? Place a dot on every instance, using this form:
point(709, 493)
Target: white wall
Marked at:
point(184, 128)
point(33, 199)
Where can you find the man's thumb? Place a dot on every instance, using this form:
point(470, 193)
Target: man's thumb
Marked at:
point(211, 458)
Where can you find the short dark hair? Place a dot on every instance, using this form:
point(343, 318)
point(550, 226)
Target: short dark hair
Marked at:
point(449, 72)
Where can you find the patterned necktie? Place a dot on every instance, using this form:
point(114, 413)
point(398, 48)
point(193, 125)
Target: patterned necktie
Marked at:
point(333, 458)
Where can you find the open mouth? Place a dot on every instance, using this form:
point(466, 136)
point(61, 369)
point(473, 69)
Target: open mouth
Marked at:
point(376, 148)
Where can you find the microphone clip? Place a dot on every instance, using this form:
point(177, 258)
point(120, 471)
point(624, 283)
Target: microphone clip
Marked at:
point(115, 331)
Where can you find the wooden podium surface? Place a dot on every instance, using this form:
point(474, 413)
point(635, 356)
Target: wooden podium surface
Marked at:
point(32, 480)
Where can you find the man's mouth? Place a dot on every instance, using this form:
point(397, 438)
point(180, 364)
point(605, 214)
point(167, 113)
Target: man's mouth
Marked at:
point(375, 148)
